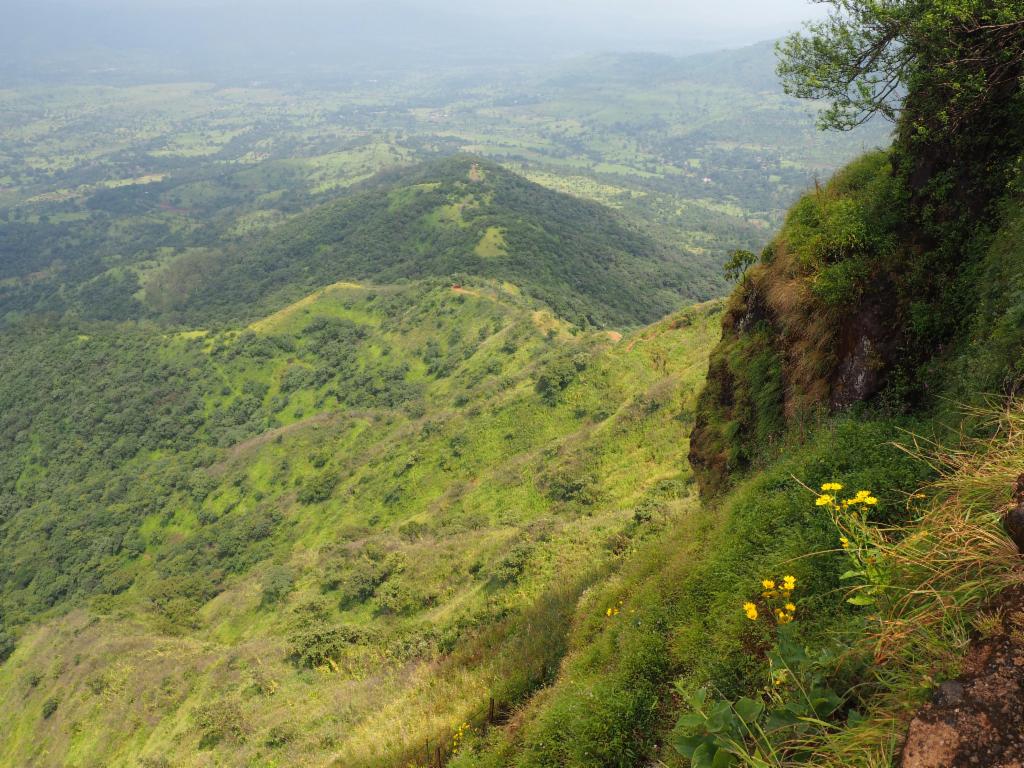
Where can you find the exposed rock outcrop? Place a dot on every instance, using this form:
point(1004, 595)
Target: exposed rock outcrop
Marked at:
point(977, 720)
point(1013, 521)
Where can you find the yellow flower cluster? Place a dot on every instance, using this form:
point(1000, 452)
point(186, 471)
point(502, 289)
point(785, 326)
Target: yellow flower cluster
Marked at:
point(781, 592)
point(826, 499)
point(862, 497)
point(614, 610)
point(839, 509)
point(785, 587)
point(785, 614)
point(459, 735)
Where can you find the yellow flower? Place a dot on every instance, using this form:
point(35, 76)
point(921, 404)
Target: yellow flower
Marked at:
point(751, 610)
point(824, 500)
point(768, 584)
point(790, 607)
point(789, 583)
point(832, 487)
point(845, 542)
point(870, 500)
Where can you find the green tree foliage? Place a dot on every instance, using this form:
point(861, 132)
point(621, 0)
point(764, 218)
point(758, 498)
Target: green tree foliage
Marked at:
point(318, 644)
point(278, 582)
point(949, 73)
point(955, 58)
point(318, 488)
point(7, 645)
point(557, 376)
point(512, 565)
point(738, 264)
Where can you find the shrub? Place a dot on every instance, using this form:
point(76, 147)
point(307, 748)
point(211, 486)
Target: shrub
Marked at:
point(280, 735)
point(573, 484)
point(323, 644)
point(49, 707)
point(841, 285)
point(217, 721)
point(557, 376)
point(318, 488)
point(278, 582)
point(361, 582)
point(97, 684)
point(398, 598)
point(511, 567)
point(413, 530)
point(7, 645)
point(296, 377)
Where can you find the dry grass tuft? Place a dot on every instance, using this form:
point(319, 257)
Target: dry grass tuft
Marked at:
point(808, 331)
point(945, 567)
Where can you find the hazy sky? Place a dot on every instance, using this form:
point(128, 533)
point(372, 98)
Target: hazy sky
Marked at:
point(720, 14)
point(669, 17)
point(250, 36)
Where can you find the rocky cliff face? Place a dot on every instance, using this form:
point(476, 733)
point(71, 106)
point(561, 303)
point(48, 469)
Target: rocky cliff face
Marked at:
point(808, 329)
point(857, 300)
point(978, 718)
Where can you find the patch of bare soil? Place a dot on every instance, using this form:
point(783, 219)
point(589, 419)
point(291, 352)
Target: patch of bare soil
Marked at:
point(977, 720)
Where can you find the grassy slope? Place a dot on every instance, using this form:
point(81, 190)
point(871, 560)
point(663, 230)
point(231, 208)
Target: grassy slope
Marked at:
point(945, 552)
point(475, 507)
point(680, 617)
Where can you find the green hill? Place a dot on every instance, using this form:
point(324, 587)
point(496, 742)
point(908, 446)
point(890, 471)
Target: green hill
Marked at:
point(460, 216)
point(438, 517)
point(332, 534)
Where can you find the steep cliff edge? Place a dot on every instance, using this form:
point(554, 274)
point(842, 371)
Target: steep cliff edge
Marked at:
point(892, 299)
point(897, 282)
point(858, 300)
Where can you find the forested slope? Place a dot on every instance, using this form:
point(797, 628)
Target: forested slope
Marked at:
point(459, 216)
point(332, 535)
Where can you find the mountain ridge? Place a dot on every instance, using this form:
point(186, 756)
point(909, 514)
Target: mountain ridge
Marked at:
point(451, 217)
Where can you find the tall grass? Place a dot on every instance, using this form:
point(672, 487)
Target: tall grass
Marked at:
point(945, 565)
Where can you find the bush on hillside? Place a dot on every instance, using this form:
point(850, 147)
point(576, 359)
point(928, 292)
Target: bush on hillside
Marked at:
point(217, 721)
